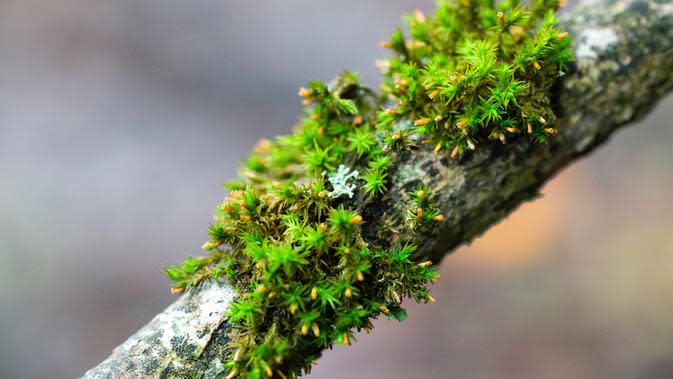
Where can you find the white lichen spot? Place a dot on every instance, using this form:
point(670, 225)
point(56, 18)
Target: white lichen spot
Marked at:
point(194, 312)
point(593, 41)
point(339, 181)
point(173, 337)
point(214, 370)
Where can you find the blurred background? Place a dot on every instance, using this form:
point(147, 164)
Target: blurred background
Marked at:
point(119, 120)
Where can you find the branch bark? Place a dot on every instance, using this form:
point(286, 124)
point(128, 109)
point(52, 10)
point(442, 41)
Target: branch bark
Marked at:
point(624, 66)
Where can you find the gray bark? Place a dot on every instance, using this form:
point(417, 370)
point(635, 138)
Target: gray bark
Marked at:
point(624, 66)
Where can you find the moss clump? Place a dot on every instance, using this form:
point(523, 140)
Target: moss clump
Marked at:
point(469, 73)
point(289, 235)
point(290, 239)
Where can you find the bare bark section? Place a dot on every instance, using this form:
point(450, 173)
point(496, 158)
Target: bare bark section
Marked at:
point(624, 65)
point(174, 343)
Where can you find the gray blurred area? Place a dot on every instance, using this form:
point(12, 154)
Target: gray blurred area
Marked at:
point(120, 119)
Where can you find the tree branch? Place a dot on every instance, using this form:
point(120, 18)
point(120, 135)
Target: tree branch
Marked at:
point(624, 61)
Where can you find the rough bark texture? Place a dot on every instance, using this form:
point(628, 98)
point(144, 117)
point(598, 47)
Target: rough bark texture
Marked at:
point(624, 65)
point(180, 342)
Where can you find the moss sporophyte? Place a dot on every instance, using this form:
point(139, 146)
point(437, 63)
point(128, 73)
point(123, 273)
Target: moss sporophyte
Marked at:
point(289, 235)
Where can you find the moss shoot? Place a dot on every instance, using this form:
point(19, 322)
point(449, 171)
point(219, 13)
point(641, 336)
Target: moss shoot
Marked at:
point(289, 234)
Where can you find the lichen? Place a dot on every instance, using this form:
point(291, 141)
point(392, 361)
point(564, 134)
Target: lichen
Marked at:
point(340, 182)
point(594, 41)
point(293, 242)
point(174, 339)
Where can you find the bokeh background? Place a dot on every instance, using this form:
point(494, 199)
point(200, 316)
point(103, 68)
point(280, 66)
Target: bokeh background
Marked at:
point(120, 119)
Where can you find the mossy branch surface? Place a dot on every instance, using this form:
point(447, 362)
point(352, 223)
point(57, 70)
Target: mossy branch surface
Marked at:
point(624, 55)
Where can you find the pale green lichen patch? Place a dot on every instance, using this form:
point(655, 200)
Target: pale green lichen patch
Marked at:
point(171, 341)
point(592, 41)
point(340, 181)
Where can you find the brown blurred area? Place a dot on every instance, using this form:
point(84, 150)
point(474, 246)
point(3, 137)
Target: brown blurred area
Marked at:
point(119, 120)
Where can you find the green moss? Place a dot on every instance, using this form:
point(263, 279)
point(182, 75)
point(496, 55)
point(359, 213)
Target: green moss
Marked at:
point(476, 71)
point(289, 235)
